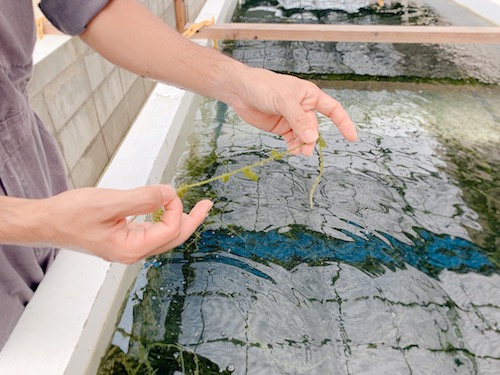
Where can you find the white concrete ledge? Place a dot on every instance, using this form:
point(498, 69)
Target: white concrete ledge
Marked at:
point(47, 46)
point(488, 9)
point(68, 324)
point(73, 312)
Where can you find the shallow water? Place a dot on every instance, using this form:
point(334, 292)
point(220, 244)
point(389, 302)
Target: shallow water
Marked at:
point(395, 270)
point(461, 62)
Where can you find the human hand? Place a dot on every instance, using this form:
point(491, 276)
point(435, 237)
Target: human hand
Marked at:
point(277, 103)
point(94, 220)
point(286, 106)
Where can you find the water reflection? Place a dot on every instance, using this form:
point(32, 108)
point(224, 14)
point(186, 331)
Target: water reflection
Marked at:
point(392, 181)
point(428, 252)
point(463, 62)
point(386, 274)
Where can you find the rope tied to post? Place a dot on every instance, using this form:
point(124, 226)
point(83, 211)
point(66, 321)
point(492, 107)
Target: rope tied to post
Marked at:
point(194, 28)
point(40, 27)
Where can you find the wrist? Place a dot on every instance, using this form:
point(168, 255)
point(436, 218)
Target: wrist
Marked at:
point(229, 81)
point(21, 221)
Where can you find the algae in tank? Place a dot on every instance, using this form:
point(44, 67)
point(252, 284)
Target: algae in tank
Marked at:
point(394, 268)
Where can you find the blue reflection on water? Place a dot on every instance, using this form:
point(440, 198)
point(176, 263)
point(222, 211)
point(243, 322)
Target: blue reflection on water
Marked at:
point(429, 253)
point(389, 271)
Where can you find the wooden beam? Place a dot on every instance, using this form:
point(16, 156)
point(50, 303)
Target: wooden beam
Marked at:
point(351, 33)
point(180, 15)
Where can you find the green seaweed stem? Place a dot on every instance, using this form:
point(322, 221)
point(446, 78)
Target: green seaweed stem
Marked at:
point(247, 172)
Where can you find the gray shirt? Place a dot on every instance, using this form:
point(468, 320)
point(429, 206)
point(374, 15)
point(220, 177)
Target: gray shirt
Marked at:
point(30, 162)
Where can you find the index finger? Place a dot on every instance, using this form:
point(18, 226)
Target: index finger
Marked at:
point(331, 108)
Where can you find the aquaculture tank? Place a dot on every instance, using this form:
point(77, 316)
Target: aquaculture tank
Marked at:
point(380, 256)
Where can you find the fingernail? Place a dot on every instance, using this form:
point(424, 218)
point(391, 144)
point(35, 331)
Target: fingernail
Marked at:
point(165, 193)
point(310, 136)
point(208, 212)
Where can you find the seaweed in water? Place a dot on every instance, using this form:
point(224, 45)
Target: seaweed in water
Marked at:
point(248, 172)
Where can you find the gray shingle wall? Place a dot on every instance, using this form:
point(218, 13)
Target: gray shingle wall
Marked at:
point(89, 104)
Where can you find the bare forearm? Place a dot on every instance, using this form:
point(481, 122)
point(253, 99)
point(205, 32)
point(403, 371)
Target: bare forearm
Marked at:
point(130, 36)
point(19, 221)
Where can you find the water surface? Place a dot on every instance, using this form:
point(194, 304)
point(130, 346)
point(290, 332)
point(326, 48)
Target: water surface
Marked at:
point(457, 62)
point(393, 271)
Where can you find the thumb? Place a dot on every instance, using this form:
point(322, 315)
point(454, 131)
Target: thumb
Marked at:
point(143, 200)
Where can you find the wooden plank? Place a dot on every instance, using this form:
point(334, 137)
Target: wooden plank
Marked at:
point(180, 15)
point(351, 33)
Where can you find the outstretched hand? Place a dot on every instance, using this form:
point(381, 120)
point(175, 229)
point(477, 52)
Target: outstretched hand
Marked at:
point(95, 220)
point(286, 106)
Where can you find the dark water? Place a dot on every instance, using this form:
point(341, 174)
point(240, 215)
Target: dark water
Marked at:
point(395, 270)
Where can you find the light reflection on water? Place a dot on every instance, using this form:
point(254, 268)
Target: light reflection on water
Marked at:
point(467, 62)
point(385, 275)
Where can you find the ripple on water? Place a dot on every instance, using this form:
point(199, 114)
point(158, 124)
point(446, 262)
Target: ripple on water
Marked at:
point(384, 272)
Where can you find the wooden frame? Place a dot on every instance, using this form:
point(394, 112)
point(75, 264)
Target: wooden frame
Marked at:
point(351, 33)
point(180, 15)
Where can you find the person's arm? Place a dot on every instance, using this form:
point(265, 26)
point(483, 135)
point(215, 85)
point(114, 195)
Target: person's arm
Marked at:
point(129, 35)
point(95, 221)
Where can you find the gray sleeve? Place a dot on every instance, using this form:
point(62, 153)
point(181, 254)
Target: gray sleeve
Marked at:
point(71, 16)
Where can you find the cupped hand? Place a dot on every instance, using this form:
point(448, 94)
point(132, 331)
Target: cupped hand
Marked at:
point(96, 221)
point(287, 106)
